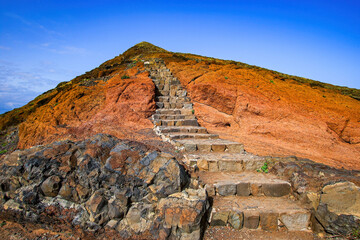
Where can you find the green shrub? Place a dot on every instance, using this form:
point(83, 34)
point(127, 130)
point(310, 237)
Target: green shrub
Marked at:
point(355, 234)
point(125, 77)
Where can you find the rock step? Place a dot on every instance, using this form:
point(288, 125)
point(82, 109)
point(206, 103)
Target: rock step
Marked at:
point(192, 135)
point(169, 80)
point(215, 145)
point(264, 213)
point(172, 117)
point(168, 87)
point(180, 122)
point(163, 93)
point(174, 111)
point(172, 99)
point(172, 93)
point(184, 129)
point(225, 162)
point(167, 105)
point(243, 184)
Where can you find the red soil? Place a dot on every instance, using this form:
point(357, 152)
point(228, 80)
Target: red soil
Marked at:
point(120, 107)
point(271, 116)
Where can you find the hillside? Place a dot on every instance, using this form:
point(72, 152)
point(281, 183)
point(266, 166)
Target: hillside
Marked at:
point(270, 112)
point(160, 145)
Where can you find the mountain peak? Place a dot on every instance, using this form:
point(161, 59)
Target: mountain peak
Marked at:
point(141, 49)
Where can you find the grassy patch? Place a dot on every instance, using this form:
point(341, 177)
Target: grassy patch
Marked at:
point(264, 168)
point(3, 151)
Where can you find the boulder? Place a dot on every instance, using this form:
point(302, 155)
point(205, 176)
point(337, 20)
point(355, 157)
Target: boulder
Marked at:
point(50, 187)
point(339, 208)
point(170, 178)
point(97, 207)
point(183, 212)
point(118, 205)
point(164, 171)
point(139, 218)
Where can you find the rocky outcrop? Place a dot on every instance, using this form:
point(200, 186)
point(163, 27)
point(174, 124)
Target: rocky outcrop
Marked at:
point(104, 182)
point(333, 194)
point(339, 208)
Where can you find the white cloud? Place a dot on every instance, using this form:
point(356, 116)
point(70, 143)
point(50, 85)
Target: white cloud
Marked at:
point(19, 87)
point(10, 104)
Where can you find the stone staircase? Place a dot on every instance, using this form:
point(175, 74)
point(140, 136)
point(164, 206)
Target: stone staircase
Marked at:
point(241, 196)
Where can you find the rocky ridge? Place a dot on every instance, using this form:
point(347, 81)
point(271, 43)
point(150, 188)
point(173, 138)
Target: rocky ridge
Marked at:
point(104, 182)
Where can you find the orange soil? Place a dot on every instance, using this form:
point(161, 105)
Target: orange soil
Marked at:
point(271, 116)
point(119, 107)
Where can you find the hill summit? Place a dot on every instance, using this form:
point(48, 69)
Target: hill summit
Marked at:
point(270, 112)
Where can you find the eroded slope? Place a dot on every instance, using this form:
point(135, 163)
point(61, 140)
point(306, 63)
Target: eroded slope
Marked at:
point(273, 116)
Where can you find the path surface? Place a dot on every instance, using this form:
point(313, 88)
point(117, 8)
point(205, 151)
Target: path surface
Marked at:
point(252, 204)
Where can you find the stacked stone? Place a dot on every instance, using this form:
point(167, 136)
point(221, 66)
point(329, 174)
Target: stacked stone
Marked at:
point(242, 196)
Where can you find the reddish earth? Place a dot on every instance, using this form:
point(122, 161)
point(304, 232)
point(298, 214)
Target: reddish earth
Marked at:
point(271, 113)
point(11, 228)
point(113, 107)
point(272, 116)
point(221, 233)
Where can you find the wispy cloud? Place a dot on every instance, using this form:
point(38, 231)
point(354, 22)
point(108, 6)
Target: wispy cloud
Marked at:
point(62, 49)
point(4, 48)
point(70, 50)
point(32, 24)
point(19, 87)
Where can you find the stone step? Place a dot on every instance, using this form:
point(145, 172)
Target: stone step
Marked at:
point(216, 145)
point(165, 86)
point(243, 184)
point(185, 129)
point(225, 162)
point(173, 99)
point(167, 105)
point(172, 116)
point(163, 93)
point(174, 111)
point(264, 213)
point(192, 136)
point(180, 122)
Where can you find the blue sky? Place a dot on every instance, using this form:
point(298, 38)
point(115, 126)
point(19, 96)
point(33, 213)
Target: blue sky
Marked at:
point(43, 43)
